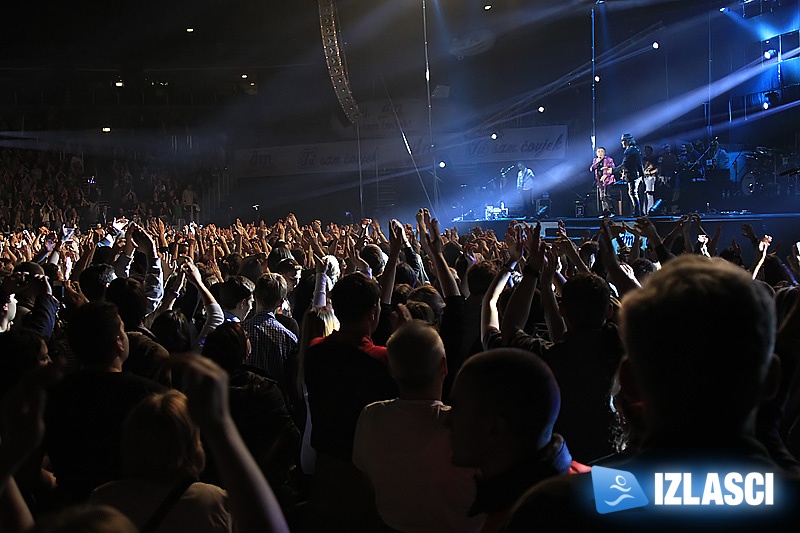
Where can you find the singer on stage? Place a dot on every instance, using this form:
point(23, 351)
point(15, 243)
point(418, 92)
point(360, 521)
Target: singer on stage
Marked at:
point(603, 168)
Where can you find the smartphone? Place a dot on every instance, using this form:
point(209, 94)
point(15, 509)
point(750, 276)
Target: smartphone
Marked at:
point(58, 290)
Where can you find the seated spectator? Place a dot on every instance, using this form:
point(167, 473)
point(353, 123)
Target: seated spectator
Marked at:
point(162, 458)
point(404, 448)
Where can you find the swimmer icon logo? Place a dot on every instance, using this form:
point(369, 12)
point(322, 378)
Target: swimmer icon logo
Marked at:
point(616, 490)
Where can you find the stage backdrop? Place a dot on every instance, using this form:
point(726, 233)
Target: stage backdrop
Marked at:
point(524, 144)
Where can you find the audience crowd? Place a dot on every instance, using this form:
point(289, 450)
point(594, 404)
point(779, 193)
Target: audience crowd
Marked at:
point(54, 189)
point(372, 377)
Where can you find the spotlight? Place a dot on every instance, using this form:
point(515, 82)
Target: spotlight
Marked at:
point(655, 45)
point(597, 78)
point(442, 164)
point(106, 129)
point(487, 7)
point(189, 30)
point(255, 207)
point(494, 136)
point(723, 9)
point(541, 109)
point(244, 76)
point(119, 83)
point(769, 54)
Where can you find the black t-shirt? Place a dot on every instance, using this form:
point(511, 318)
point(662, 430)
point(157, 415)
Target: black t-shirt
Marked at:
point(84, 418)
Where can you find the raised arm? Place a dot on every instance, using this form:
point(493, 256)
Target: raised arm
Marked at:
point(23, 430)
point(646, 229)
point(519, 306)
point(253, 504)
point(552, 316)
point(433, 240)
point(214, 315)
point(490, 318)
point(621, 280)
point(396, 237)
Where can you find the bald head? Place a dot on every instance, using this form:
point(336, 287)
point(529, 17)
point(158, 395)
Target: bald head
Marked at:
point(416, 356)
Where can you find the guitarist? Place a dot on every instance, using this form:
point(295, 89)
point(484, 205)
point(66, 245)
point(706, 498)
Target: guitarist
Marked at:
point(603, 168)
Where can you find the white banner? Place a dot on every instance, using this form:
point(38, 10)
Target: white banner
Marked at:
point(523, 144)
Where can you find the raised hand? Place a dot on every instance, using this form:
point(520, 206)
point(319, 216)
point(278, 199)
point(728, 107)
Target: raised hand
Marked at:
point(644, 228)
point(513, 240)
point(534, 246)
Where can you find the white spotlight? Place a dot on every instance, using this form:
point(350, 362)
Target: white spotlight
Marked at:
point(119, 83)
point(597, 78)
point(442, 164)
point(494, 136)
point(487, 7)
point(189, 30)
point(769, 54)
point(106, 129)
point(541, 109)
point(765, 105)
point(655, 45)
point(244, 76)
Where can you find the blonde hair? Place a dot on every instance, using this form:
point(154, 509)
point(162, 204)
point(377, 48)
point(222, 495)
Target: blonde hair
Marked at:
point(161, 440)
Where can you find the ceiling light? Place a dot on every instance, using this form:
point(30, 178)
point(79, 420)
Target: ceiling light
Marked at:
point(244, 76)
point(106, 129)
point(189, 30)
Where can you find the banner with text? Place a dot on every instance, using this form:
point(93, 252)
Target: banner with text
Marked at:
point(520, 144)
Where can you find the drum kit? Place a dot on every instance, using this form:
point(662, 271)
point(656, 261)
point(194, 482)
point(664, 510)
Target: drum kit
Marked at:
point(769, 172)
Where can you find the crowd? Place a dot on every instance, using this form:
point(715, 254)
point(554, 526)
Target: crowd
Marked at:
point(55, 189)
point(369, 377)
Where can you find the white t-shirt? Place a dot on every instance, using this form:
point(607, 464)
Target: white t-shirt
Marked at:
point(405, 450)
point(525, 179)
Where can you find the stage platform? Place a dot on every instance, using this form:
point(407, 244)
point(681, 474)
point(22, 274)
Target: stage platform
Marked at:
point(783, 227)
